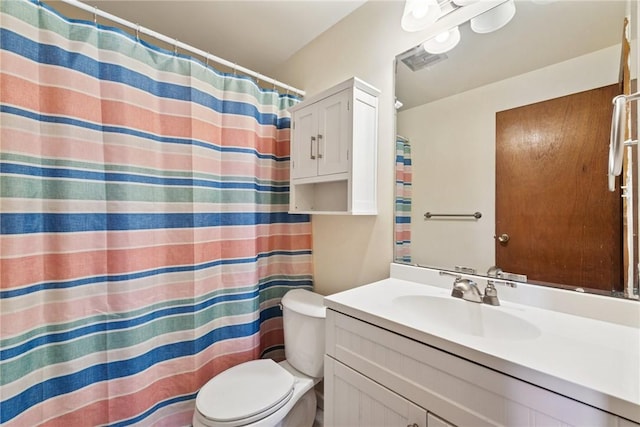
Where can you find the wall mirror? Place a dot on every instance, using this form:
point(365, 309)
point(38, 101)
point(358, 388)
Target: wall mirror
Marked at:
point(502, 113)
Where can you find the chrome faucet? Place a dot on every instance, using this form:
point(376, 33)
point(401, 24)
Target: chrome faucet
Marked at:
point(466, 289)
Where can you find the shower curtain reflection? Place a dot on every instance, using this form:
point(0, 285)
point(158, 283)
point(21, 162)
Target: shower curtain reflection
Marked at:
point(403, 200)
point(145, 237)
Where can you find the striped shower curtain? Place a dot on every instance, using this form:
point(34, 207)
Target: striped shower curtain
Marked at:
point(403, 200)
point(145, 238)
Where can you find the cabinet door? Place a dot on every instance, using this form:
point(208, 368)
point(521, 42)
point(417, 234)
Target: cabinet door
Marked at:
point(433, 421)
point(334, 133)
point(304, 152)
point(356, 401)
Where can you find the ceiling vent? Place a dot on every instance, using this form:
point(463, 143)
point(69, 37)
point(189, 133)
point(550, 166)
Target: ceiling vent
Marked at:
point(417, 58)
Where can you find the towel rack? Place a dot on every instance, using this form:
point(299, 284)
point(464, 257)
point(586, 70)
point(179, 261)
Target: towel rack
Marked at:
point(476, 215)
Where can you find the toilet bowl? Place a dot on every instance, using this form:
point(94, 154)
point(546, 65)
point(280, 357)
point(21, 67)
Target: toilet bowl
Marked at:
point(265, 393)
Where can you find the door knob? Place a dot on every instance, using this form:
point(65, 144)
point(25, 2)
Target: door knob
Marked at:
point(503, 238)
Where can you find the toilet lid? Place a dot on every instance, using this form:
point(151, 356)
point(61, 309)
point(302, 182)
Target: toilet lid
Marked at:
point(252, 389)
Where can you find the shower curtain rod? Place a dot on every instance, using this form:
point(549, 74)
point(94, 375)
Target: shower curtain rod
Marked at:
point(179, 44)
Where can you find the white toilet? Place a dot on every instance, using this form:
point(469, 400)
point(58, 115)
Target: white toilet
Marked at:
point(263, 392)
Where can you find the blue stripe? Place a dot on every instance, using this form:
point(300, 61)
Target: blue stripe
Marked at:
point(139, 134)
point(403, 202)
point(404, 160)
point(132, 276)
point(57, 386)
point(153, 409)
point(47, 172)
point(403, 219)
point(53, 55)
point(28, 223)
point(270, 313)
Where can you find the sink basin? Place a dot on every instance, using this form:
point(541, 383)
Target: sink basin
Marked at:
point(453, 315)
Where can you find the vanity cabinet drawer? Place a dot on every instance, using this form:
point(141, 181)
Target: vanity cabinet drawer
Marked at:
point(462, 392)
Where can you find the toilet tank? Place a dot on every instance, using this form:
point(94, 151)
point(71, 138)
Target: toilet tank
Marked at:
point(303, 318)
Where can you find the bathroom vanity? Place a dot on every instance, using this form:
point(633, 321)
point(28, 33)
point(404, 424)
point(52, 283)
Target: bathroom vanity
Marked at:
point(404, 352)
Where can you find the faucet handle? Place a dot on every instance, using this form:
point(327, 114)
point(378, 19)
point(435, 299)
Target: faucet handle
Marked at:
point(494, 271)
point(490, 294)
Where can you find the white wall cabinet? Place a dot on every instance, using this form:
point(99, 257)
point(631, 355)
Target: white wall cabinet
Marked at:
point(376, 377)
point(334, 151)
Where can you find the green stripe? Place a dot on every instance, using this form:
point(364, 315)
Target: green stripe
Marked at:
point(403, 208)
point(52, 189)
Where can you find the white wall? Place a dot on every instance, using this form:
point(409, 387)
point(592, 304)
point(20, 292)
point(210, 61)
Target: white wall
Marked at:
point(453, 156)
point(351, 251)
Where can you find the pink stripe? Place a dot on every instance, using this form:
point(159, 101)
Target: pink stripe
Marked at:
point(176, 415)
point(23, 245)
point(178, 419)
point(18, 272)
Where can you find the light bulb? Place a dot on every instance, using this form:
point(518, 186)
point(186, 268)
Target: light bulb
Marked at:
point(418, 15)
point(420, 9)
point(443, 42)
point(442, 37)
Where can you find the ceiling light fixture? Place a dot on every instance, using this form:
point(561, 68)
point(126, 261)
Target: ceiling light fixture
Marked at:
point(419, 14)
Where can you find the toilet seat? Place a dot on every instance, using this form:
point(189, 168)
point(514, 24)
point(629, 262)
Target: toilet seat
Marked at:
point(245, 393)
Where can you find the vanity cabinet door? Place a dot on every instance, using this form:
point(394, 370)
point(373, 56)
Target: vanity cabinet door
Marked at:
point(357, 401)
point(434, 421)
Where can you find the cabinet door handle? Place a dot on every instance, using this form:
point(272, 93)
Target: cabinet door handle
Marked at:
point(311, 155)
point(319, 141)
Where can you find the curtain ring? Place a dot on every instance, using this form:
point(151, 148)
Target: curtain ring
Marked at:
point(207, 57)
point(235, 68)
point(138, 32)
point(175, 47)
point(95, 15)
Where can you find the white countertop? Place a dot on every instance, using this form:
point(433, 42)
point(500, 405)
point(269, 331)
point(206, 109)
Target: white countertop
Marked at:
point(592, 361)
